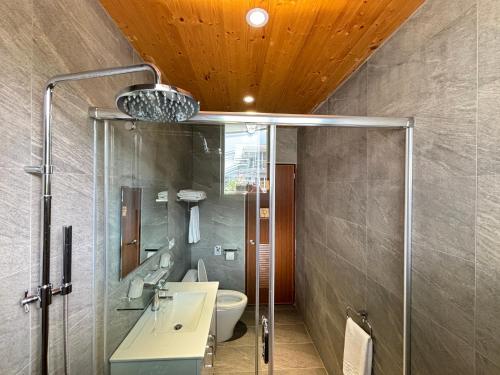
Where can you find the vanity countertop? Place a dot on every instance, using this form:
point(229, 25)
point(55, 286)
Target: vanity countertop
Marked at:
point(178, 330)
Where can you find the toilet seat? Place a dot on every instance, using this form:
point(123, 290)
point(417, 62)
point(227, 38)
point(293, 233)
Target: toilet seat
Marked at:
point(230, 299)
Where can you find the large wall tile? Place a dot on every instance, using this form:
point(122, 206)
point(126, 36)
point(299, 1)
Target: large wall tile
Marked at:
point(443, 212)
point(447, 86)
point(487, 268)
point(489, 87)
point(286, 145)
point(347, 156)
point(487, 319)
point(14, 325)
point(485, 367)
point(350, 98)
point(344, 200)
point(386, 154)
point(347, 240)
point(315, 226)
point(429, 20)
point(488, 132)
point(385, 207)
point(436, 351)
point(15, 92)
point(444, 147)
point(385, 261)
point(346, 285)
point(488, 222)
point(385, 313)
point(443, 290)
point(14, 221)
point(437, 79)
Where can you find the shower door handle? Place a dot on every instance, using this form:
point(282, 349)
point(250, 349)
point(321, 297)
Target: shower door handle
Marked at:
point(265, 340)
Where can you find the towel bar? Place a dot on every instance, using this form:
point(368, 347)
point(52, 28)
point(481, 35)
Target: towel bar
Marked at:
point(363, 315)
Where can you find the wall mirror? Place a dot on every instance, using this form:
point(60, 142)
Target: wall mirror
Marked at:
point(143, 225)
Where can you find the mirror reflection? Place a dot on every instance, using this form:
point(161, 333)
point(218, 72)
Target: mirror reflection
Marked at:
point(144, 225)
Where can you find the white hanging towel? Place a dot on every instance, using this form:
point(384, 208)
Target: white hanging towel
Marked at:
point(358, 350)
point(194, 225)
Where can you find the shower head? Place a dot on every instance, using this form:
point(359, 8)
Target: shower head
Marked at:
point(157, 102)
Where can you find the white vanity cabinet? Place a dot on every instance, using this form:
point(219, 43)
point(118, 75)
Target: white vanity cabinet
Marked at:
point(167, 367)
point(176, 338)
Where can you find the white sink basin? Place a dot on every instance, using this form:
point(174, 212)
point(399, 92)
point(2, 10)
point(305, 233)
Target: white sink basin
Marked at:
point(181, 314)
point(178, 330)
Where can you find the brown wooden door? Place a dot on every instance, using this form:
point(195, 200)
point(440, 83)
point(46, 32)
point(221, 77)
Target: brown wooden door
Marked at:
point(285, 240)
point(130, 229)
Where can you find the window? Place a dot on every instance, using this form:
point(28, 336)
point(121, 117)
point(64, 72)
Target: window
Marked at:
point(244, 148)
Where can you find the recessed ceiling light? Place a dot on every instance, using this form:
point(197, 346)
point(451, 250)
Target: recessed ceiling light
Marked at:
point(248, 99)
point(257, 17)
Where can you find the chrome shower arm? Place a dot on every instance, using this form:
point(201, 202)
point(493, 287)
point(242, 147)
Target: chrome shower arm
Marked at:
point(47, 167)
point(100, 73)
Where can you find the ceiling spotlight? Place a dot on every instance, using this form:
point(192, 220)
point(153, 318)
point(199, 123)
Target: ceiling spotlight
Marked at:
point(248, 99)
point(257, 17)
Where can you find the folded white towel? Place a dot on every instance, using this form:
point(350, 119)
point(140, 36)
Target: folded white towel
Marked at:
point(358, 350)
point(194, 225)
point(191, 194)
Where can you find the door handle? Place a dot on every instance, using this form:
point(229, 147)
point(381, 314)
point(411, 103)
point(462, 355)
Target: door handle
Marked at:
point(265, 340)
point(133, 242)
point(252, 242)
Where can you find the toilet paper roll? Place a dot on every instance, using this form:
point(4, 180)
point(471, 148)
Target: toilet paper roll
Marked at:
point(135, 289)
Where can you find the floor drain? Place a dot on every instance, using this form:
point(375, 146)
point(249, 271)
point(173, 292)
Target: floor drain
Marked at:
point(178, 327)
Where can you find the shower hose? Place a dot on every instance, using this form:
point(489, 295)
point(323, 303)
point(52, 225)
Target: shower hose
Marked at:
point(66, 334)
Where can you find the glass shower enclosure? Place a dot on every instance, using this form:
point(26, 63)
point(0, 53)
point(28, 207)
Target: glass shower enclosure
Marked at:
point(140, 167)
point(231, 157)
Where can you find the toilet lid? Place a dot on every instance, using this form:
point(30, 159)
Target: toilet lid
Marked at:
point(202, 271)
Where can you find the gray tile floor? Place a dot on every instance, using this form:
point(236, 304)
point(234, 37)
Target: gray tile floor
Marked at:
point(295, 351)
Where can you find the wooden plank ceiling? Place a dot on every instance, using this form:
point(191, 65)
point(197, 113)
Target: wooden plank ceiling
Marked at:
point(292, 64)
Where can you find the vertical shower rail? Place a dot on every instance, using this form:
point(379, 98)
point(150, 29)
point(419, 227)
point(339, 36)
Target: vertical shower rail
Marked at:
point(45, 290)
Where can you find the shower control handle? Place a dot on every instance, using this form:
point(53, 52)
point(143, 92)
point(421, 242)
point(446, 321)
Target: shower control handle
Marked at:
point(66, 286)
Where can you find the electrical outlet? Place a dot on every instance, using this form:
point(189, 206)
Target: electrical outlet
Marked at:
point(217, 250)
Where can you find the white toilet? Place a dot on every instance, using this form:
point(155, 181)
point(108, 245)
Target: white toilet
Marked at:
point(230, 305)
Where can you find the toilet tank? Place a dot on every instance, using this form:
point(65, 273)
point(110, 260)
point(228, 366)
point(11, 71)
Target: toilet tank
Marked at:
point(190, 276)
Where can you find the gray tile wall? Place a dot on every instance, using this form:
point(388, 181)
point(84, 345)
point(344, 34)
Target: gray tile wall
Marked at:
point(222, 217)
point(37, 40)
point(286, 145)
point(350, 234)
point(441, 67)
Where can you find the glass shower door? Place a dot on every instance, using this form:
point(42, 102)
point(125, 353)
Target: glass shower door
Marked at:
point(247, 169)
point(143, 165)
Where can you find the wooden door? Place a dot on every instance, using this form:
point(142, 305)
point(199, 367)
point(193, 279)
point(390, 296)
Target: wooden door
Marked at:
point(285, 240)
point(130, 229)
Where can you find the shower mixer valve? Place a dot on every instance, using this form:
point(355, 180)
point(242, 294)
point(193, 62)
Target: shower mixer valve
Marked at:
point(45, 292)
